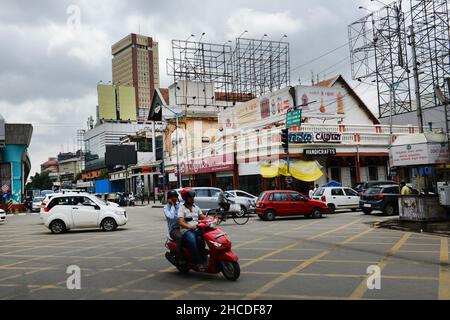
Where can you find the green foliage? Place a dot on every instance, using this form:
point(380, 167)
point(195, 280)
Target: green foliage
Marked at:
point(40, 182)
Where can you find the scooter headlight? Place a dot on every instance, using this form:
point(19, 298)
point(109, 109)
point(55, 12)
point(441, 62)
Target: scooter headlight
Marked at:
point(215, 244)
point(212, 224)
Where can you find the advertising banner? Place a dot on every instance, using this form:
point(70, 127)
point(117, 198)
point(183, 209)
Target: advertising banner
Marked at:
point(321, 102)
point(419, 154)
point(207, 165)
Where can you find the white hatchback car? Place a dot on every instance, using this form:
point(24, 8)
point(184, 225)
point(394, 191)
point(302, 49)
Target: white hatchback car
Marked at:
point(337, 198)
point(2, 216)
point(73, 211)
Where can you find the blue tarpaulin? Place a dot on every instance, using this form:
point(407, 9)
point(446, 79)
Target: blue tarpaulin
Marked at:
point(332, 184)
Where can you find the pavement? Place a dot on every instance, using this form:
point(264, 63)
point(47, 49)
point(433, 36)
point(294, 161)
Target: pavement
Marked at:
point(290, 258)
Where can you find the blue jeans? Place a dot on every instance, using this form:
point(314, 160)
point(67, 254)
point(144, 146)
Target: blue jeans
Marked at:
point(193, 243)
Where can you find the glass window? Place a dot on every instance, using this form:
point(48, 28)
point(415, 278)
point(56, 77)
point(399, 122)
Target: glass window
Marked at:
point(63, 201)
point(373, 173)
point(350, 192)
point(295, 197)
point(242, 194)
point(337, 192)
point(335, 174)
point(319, 192)
point(278, 196)
point(202, 192)
point(391, 190)
point(215, 193)
point(262, 196)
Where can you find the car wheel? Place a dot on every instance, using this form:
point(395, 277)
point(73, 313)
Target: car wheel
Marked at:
point(109, 224)
point(316, 213)
point(242, 212)
point(366, 211)
point(57, 226)
point(331, 208)
point(269, 215)
point(388, 210)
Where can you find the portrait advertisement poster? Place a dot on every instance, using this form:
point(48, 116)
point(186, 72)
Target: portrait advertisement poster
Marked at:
point(321, 102)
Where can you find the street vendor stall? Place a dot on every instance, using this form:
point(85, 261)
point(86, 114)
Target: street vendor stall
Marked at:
point(419, 157)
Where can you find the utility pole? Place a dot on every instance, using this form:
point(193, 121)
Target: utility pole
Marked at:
point(416, 77)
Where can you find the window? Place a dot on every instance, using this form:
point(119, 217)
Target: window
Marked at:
point(295, 197)
point(319, 192)
point(350, 192)
point(337, 192)
point(335, 174)
point(278, 197)
point(215, 193)
point(202, 192)
point(63, 201)
point(242, 194)
point(391, 190)
point(373, 173)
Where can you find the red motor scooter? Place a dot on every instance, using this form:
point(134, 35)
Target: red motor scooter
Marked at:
point(221, 257)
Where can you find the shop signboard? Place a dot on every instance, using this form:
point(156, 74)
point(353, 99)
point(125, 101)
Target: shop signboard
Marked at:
point(320, 152)
point(329, 102)
point(207, 165)
point(314, 137)
point(419, 154)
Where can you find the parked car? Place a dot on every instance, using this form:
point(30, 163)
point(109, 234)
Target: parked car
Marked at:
point(361, 187)
point(275, 203)
point(71, 211)
point(246, 200)
point(2, 216)
point(206, 198)
point(384, 198)
point(337, 198)
point(36, 204)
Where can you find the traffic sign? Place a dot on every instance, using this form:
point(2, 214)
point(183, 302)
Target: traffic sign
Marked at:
point(294, 118)
point(5, 188)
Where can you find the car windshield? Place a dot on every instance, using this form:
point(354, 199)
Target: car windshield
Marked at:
point(358, 186)
point(261, 196)
point(319, 192)
point(38, 199)
point(373, 190)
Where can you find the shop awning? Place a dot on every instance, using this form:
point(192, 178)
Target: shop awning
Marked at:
point(301, 170)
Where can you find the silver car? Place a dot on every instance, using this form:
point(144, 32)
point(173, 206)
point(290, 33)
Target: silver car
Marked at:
point(246, 200)
point(206, 198)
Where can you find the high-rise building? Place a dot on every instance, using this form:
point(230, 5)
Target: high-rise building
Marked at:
point(136, 63)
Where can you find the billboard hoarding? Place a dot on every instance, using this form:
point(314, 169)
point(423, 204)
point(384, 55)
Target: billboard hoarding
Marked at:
point(321, 102)
point(120, 155)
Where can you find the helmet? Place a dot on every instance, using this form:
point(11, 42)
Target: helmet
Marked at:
point(187, 193)
point(172, 193)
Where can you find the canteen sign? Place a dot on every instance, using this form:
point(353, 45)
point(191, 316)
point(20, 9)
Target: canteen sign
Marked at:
point(319, 137)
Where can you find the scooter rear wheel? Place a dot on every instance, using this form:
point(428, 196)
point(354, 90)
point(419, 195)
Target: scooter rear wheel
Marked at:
point(231, 270)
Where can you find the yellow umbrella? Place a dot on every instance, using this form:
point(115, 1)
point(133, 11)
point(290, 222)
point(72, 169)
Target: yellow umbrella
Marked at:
point(305, 170)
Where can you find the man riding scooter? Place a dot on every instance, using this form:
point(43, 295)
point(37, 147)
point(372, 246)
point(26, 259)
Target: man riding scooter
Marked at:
point(189, 214)
point(171, 213)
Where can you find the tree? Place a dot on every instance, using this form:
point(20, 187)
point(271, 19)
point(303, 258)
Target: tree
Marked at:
point(40, 182)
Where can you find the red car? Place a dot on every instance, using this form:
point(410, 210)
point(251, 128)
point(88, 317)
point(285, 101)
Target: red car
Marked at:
point(271, 204)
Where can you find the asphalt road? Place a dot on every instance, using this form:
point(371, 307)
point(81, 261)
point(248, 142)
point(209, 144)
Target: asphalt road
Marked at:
point(285, 259)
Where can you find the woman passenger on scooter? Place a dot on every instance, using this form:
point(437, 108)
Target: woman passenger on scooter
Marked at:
point(189, 214)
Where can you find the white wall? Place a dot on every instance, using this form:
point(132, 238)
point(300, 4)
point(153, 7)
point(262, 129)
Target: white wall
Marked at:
point(346, 177)
point(353, 113)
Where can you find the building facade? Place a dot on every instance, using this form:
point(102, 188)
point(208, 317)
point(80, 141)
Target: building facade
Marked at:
point(339, 139)
point(14, 160)
point(135, 64)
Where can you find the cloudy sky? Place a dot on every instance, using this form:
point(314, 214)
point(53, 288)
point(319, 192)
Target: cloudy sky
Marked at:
point(50, 64)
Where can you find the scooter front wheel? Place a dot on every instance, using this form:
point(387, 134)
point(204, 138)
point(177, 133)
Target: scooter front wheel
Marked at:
point(231, 270)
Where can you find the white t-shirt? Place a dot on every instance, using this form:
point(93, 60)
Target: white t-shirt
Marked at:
point(311, 193)
point(193, 216)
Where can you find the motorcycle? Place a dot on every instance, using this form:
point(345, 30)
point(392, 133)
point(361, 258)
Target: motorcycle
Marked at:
point(220, 256)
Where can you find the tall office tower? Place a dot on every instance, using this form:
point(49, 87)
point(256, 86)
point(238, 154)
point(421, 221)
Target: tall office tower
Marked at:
point(135, 63)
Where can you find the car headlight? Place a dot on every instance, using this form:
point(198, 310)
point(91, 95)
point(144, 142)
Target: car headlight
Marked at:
point(215, 244)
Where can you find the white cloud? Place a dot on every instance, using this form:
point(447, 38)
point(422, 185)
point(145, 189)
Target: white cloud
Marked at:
point(257, 21)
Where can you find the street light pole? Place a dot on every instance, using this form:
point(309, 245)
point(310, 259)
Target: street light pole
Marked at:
point(180, 183)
